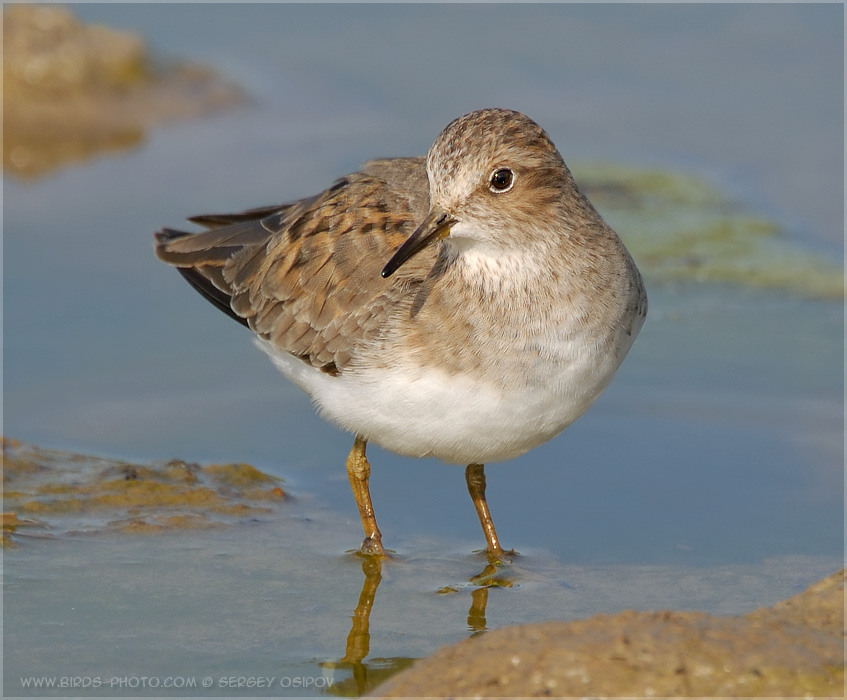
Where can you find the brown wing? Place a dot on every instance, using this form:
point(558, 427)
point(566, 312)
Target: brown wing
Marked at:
point(306, 276)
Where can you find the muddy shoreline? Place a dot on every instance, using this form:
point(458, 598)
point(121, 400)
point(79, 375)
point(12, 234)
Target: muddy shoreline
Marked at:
point(794, 648)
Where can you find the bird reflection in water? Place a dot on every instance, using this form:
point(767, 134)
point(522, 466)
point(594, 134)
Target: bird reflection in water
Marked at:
point(365, 676)
point(492, 576)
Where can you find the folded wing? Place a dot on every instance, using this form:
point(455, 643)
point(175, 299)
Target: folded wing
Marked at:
point(306, 275)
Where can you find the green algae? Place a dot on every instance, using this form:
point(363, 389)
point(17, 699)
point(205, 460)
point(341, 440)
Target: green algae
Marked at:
point(679, 227)
point(71, 492)
point(238, 475)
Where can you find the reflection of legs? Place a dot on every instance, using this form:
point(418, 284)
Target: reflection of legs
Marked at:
point(359, 639)
point(476, 615)
point(359, 472)
point(475, 476)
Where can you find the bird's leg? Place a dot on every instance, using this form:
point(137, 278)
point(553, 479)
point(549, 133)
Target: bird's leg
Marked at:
point(359, 471)
point(475, 476)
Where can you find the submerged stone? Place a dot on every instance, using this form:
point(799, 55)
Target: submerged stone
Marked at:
point(679, 227)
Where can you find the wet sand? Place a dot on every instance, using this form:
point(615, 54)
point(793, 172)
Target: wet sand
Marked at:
point(795, 648)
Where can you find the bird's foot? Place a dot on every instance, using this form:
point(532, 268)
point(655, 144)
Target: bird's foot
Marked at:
point(500, 557)
point(373, 547)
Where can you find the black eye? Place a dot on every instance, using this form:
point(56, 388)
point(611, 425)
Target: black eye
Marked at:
point(501, 180)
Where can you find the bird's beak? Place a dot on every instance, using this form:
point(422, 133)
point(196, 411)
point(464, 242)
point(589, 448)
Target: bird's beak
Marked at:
point(434, 227)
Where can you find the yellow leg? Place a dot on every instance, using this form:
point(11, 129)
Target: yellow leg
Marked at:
point(475, 476)
point(359, 471)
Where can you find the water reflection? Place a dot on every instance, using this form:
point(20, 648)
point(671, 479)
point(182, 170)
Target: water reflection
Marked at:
point(359, 639)
point(367, 675)
point(476, 615)
point(364, 676)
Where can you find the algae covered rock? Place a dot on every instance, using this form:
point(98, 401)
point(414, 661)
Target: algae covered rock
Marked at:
point(681, 228)
point(49, 492)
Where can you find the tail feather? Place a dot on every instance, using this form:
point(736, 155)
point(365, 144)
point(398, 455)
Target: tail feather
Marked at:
point(217, 220)
point(201, 257)
point(210, 247)
point(197, 278)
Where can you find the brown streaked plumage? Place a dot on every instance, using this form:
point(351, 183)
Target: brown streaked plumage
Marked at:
point(468, 306)
point(306, 276)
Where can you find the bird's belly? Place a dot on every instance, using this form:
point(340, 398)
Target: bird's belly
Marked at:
point(458, 418)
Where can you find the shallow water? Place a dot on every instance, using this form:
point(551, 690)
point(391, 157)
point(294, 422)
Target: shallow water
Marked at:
point(709, 476)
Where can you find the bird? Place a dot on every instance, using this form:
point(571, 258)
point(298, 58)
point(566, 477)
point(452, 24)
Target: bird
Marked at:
point(468, 305)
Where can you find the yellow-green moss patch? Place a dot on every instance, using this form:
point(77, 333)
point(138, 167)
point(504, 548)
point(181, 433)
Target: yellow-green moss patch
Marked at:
point(77, 493)
point(680, 227)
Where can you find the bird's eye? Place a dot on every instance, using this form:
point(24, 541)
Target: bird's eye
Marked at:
point(501, 180)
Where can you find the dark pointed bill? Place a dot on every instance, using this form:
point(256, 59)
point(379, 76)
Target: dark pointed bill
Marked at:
point(434, 227)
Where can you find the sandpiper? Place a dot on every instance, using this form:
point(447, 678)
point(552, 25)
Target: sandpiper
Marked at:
point(467, 306)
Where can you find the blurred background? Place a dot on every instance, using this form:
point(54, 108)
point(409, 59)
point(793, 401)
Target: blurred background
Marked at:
point(708, 476)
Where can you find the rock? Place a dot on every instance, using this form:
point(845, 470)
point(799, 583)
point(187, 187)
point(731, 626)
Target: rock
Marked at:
point(795, 648)
point(72, 91)
point(52, 492)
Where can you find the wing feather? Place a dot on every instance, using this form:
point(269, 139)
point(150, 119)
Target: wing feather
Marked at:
point(306, 275)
